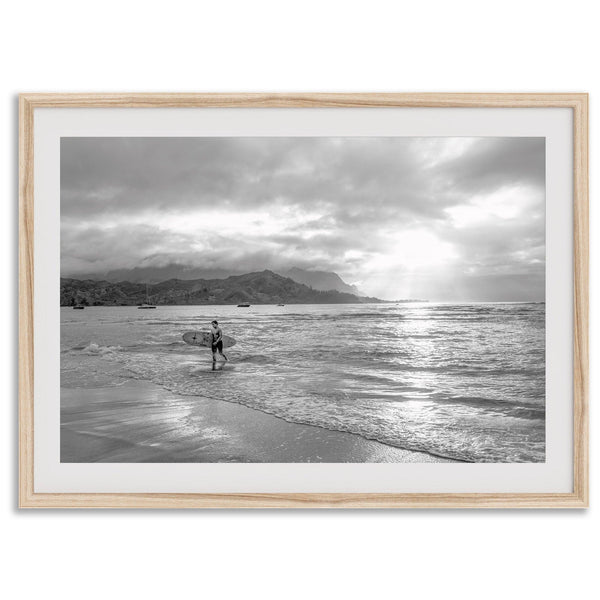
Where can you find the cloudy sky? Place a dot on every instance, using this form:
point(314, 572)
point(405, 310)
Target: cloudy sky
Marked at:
point(453, 219)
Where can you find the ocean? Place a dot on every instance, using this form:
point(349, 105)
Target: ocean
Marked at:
point(460, 381)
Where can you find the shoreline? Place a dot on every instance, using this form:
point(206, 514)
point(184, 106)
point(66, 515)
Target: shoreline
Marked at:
point(138, 421)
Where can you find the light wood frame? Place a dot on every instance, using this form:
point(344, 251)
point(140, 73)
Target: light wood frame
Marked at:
point(578, 498)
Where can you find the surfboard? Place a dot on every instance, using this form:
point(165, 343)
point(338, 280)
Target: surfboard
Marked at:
point(203, 338)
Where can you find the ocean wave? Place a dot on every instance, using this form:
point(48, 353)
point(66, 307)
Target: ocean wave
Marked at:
point(93, 349)
point(253, 358)
point(442, 440)
point(532, 408)
point(474, 393)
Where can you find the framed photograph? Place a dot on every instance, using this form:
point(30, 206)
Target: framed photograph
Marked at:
point(303, 300)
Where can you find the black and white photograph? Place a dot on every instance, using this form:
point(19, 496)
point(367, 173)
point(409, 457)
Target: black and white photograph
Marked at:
point(302, 300)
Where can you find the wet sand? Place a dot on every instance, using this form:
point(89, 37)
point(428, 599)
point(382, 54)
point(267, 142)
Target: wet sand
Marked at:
point(141, 422)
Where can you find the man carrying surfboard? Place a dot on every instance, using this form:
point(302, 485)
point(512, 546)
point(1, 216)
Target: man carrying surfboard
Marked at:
point(216, 340)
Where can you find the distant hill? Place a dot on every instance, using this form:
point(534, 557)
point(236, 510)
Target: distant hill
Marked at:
point(264, 287)
point(321, 280)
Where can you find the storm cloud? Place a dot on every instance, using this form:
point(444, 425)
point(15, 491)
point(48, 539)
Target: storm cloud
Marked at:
point(440, 218)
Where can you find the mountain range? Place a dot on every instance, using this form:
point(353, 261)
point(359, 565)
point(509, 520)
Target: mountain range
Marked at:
point(264, 287)
point(318, 280)
point(321, 280)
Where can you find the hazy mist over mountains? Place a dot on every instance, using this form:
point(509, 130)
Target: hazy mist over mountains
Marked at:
point(317, 280)
point(321, 280)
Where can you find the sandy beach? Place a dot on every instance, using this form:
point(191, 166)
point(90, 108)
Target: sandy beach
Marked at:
point(141, 422)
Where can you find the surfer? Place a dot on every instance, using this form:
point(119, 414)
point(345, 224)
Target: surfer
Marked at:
point(216, 340)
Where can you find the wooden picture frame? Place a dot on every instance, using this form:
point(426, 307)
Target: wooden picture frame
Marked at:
point(28, 498)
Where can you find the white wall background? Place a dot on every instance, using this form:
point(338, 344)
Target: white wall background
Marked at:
point(289, 46)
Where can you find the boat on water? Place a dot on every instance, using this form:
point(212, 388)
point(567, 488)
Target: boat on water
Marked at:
point(243, 305)
point(146, 304)
point(281, 305)
point(78, 307)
